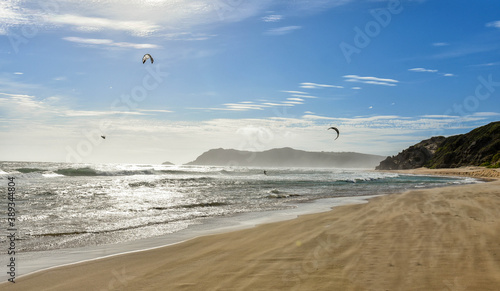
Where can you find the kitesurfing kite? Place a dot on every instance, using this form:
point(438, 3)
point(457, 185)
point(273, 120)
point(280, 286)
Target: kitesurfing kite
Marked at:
point(338, 133)
point(103, 136)
point(146, 57)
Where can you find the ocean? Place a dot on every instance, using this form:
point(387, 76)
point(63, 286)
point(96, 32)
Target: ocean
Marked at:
point(62, 206)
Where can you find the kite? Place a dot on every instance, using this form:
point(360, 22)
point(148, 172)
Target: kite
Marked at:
point(146, 57)
point(103, 137)
point(338, 133)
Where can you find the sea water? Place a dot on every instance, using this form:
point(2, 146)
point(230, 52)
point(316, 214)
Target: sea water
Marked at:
point(62, 206)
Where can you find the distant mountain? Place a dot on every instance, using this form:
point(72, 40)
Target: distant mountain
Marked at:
point(479, 147)
point(167, 163)
point(286, 157)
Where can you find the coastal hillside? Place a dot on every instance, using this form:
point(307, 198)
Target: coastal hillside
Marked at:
point(286, 157)
point(479, 147)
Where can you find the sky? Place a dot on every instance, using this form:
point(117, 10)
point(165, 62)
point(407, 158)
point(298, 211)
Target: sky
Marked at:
point(248, 75)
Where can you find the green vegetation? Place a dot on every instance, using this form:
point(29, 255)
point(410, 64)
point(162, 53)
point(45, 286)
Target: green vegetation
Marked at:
point(479, 147)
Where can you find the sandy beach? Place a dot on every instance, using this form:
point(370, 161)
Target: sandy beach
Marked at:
point(432, 239)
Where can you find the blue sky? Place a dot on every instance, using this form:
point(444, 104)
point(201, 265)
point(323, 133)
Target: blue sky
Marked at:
point(250, 75)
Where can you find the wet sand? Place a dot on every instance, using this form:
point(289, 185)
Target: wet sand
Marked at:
point(432, 239)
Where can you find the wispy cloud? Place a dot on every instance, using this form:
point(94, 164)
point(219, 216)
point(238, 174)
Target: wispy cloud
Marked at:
point(423, 70)
point(487, 64)
point(188, 36)
point(12, 16)
point(417, 123)
point(250, 105)
point(155, 110)
point(92, 24)
point(486, 114)
point(378, 134)
point(300, 94)
point(272, 18)
point(109, 43)
point(95, 113)
point(147, 18)
point(371, 80)
point(304, 96)
point(307, 85)
point(296, 92)
point(438, 44)
point(495, 24)
point(29, 107)
point(283, 30)
point(21, 102)
point(465, 50)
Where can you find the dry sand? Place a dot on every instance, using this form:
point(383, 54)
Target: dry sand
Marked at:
point(435, 239)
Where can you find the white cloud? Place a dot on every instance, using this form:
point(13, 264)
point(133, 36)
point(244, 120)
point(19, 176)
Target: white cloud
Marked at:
point(276, 104)
point(11, 15)
point(109, 43)
point(155, 110)
point(143, 18)
point(282, 30)
point(307, 85)
point(90, 113)
point(304, 96)
point(296, 92)
point(495, 24)
point(151, 140)
point(423, 70)
point(371, 80)
point(437, 116)
point(92, 24)
point(138, 18)
point(188, 36)
point(28, 107)
point(18, 73)
point(272, 18)
point(486, 114)
point(21, 102)
point(438, 44)
point(263, 104)
point(487, 64)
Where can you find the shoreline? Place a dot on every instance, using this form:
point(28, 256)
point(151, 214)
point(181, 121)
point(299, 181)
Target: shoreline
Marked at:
point(471, 171)
point(230, 249)
point(45, 260)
